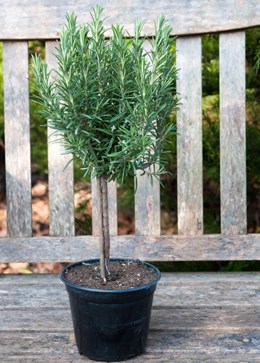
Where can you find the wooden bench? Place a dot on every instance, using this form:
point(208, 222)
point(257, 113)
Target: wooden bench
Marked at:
point(197, 317)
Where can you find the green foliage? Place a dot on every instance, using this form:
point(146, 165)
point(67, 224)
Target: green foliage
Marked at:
point(110, 98)
point(257, 59)
point(241, 266)
point(253, 58)
point(211, 156)
point(210, 65)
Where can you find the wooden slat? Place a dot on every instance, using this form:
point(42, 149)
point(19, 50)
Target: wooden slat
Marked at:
point(147, 207)
point(189, 136)
point(232, 133)
point(201, 317)
point(240, 290)
point(17, 139)
point(176, 280)
point(150, 248)
point(181, 318)
point(184, 318)
point(24, 19)
point(208, 346)
point(147, 198)
point(112, 205)
point(60, 180)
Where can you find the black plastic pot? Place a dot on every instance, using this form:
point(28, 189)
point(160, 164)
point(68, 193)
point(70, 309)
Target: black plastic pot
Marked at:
point(110, 325)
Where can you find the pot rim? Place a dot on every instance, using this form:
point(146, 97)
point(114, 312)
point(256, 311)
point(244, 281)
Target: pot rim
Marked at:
point(115, 291)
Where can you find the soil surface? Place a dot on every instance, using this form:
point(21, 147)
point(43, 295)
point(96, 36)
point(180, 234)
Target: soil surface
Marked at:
point(123, 275)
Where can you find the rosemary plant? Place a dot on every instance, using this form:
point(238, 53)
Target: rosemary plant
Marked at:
point(109, 101)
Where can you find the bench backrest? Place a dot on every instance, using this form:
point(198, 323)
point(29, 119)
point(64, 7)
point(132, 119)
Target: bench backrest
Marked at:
point(27, 20)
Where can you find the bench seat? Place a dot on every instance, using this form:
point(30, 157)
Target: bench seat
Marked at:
point(197, 317)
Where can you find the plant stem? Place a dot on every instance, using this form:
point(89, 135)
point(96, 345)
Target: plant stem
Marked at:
point(103, 221)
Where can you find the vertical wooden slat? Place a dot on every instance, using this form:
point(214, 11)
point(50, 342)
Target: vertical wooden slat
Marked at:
point(147, 199)
point(189, 136)
point(147, 207)
point(232, 133)
point(112, 205)
point(61, 182)
point(17, 139)
point(95, 229)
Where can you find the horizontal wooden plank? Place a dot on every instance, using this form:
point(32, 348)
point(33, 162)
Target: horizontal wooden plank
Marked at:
point(27, 19)
point(150, 248)
point(178, 289)
point(175, 279)
point(211, 347)
point(59, 319)
point(37, 326)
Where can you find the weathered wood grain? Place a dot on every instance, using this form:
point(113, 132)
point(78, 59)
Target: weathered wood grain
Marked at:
point(150, 248)
point(189, 136)
point(182, 319)
point(43, 19)
point(211, 347)
point(191, 323)
point(205, 317)
point(169, 279)
point(213, 290)
point(17, 139)
point(112, 206)
point(147, 207)
point(232, 133)
point(147, 199)
point(60, 179)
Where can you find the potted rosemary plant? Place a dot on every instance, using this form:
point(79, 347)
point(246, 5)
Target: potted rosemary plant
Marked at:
point(108, 102)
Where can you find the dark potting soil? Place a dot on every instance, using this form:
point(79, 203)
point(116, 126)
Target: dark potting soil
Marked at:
point(123, 275)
